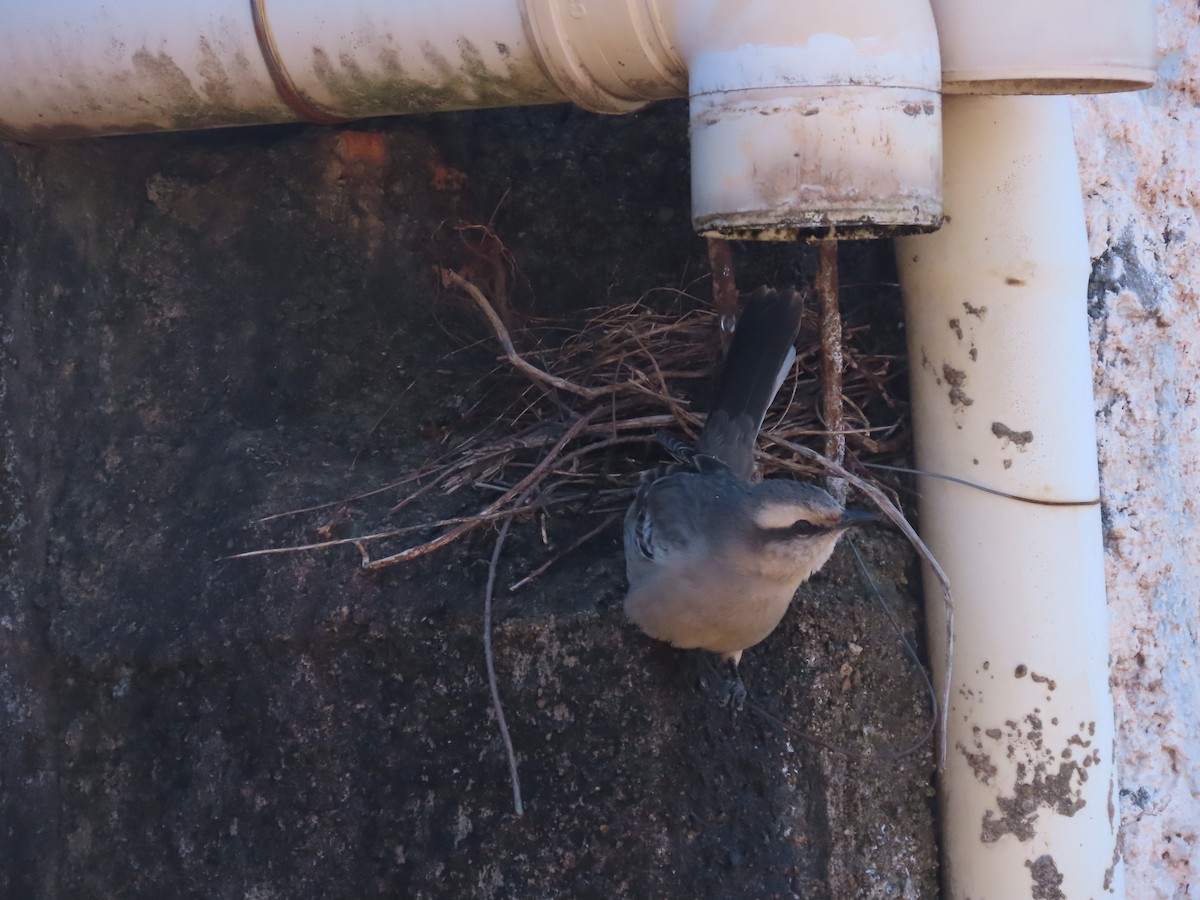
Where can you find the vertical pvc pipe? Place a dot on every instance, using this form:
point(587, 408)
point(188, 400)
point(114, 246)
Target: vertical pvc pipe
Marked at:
point(1002, 396)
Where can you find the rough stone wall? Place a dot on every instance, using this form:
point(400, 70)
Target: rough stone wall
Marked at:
point(200, 330)
point(1140, 166)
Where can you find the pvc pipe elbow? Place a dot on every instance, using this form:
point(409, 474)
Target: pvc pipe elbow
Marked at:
point(802, 119)
point(806, 119)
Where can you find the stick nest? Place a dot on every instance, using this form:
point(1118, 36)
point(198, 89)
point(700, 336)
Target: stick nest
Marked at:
point(573, 410)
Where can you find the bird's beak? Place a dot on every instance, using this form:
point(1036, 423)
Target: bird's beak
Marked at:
point(852, 518)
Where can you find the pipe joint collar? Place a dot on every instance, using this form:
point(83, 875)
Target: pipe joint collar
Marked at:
point(606, 58)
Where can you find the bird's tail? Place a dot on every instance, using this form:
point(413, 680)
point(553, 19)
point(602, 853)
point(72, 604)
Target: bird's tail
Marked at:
point(759, 359)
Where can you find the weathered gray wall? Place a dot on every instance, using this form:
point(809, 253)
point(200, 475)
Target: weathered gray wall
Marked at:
point(1140, 164)
point(199, 330)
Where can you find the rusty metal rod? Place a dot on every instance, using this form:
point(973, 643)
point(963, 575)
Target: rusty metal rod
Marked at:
point(832, 361)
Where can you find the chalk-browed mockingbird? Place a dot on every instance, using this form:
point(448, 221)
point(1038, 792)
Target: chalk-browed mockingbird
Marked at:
point(713, 559)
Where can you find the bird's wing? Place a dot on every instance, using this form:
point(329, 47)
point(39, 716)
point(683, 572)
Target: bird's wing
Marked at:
point(639, 524)
point(669, 511)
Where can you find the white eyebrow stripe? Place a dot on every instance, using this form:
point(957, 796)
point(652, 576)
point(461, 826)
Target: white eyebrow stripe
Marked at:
point(777, 515)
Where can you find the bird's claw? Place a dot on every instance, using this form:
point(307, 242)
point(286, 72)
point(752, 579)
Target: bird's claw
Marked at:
point(735, 694)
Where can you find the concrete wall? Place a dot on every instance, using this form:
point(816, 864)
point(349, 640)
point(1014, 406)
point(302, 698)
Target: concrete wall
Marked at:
point(1140, 158)
point(191, 327)
point(200, 330)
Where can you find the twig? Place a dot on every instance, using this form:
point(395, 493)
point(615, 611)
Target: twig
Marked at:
point(411, 476)
point(458, 531)
point(510, 351)
point(491, 669)
point(664, 391)
point(556, 557)
point(359, 539)
point(387, 412)
point(888, 508)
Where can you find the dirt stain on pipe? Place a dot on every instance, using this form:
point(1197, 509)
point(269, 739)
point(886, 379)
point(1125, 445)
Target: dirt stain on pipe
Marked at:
point(957, 380)
point(1020, 438)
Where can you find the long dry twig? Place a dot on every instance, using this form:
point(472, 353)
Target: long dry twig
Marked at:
point(474, 522)
point(889, 509)
point(480, 518)
point(502, 335)
point(490, 661)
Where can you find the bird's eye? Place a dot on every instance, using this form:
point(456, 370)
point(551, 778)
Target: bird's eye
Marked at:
point(804, 527)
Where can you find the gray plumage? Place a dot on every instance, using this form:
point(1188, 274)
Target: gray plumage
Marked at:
point(759, 359)
point(713, 560)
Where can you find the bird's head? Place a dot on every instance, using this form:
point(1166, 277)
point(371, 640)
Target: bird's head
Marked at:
point(796, 526)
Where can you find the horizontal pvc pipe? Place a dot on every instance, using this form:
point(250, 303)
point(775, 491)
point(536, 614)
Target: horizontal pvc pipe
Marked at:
point(1001, 375)
point(803, 118)
point(365, 59)
point(1046, 46)
point(75, 68)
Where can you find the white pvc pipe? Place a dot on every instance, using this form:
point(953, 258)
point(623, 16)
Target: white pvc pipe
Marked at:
point(1046, 46)
point(1002, 396)
point(366, 59)
point(73, 68)
point(803, 117)
point(828, 116)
